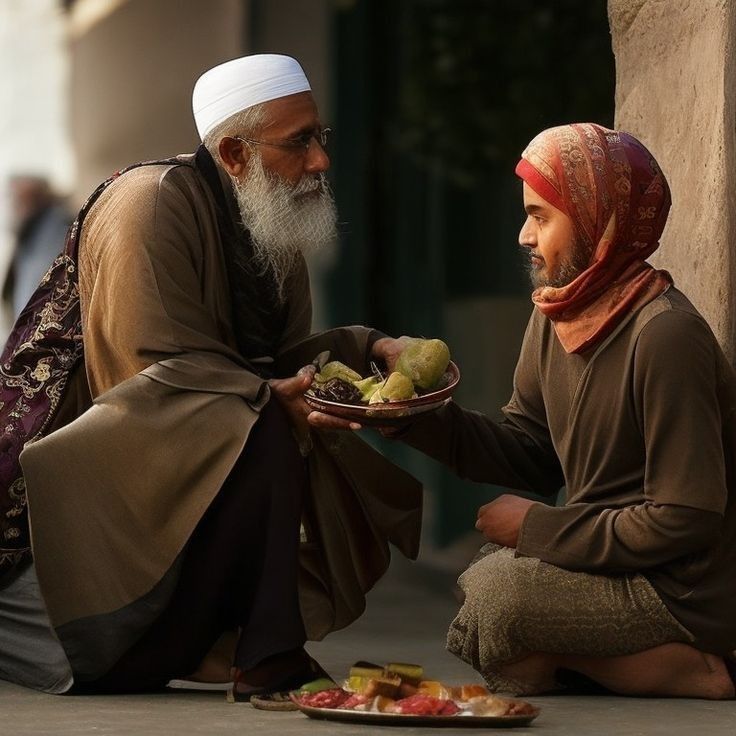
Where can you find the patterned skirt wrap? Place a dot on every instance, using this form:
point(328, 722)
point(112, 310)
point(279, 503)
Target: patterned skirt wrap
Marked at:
point(517, 606)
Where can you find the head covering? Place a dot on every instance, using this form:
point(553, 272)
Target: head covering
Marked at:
point(241, 83)
point(612, 188)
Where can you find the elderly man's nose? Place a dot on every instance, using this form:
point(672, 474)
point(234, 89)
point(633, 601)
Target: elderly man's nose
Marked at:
point(317, 158)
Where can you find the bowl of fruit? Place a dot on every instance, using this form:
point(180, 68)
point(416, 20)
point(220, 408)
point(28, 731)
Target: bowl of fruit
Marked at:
point(422, 380)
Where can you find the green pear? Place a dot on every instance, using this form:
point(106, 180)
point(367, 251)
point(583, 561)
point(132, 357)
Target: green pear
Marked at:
point(424, 362)
point(396, 387)
point(336, 369)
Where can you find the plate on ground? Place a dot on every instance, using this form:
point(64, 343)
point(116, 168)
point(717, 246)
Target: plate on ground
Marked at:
point(401, 719)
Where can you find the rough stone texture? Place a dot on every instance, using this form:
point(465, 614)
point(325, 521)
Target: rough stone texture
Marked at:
point(675, 74)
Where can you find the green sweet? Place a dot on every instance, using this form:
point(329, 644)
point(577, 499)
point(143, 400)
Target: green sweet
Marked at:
point(411, 673)
point(366, 669)
point(424, 362)
point(317, 686)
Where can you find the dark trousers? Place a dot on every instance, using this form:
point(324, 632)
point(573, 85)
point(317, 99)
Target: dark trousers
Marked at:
point(239, 570)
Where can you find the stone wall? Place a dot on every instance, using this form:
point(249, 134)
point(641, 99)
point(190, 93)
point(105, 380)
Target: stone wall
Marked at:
point(132, 77)
point(675, 86)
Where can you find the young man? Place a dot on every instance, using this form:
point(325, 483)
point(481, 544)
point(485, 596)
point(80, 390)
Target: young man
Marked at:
point(623, 396)
point(173, 503)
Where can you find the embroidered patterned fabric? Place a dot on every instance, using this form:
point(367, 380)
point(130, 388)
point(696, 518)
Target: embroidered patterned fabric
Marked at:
point(618, 198)
point(40, 353)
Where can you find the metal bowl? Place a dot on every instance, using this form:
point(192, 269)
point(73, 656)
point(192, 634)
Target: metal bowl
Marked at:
point(391, 412)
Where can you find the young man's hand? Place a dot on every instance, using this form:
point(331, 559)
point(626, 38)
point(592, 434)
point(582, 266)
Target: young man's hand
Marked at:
point(500, 520)
point(388, 349)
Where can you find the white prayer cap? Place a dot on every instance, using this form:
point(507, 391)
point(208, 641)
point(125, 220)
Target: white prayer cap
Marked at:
point(241, 83)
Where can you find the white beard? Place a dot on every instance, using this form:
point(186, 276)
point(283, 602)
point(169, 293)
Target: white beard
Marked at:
point(281, 221)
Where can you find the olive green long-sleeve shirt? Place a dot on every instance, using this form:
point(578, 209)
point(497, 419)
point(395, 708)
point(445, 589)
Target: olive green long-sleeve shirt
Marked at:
point(642, 433)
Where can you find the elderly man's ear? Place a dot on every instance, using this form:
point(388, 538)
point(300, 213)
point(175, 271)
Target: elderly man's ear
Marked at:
point(234, 156)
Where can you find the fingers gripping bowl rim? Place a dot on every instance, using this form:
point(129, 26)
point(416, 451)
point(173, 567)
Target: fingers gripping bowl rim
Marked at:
point(391, 412)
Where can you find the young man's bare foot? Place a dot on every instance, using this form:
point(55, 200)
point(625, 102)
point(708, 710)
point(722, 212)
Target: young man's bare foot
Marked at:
point(534, 674)
point(670, 670)
point(720, 680)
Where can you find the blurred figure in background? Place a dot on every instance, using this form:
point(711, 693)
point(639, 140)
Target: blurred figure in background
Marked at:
point(39, 222)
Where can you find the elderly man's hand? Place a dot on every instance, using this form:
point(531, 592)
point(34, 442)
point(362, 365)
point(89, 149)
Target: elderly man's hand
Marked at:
point(289, 392)
point(501, 519)
point(318, 420)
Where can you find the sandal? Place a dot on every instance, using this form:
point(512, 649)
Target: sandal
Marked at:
point(278, 692)
point(285, 701)
point(274, 701)
point(271, 693)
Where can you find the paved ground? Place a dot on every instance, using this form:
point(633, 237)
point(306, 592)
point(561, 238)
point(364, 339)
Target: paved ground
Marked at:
point(406, 619)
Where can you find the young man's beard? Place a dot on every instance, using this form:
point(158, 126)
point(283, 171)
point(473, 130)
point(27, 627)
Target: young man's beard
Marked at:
point(284, 219)
point(567, 271)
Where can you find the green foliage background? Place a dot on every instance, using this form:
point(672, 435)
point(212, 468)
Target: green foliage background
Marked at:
point(436, 99)
point(481, 77)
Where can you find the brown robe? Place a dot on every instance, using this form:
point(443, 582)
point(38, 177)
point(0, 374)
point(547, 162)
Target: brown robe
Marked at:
point(642, 433)
point(154, 420)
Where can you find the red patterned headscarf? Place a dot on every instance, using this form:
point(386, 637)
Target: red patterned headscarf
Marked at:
point(618, 199)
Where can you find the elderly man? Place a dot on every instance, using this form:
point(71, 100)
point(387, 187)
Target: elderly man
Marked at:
point(623, 396)
point(175, 508)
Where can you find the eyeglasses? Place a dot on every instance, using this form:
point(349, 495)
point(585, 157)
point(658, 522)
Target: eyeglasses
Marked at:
point(303, 141)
